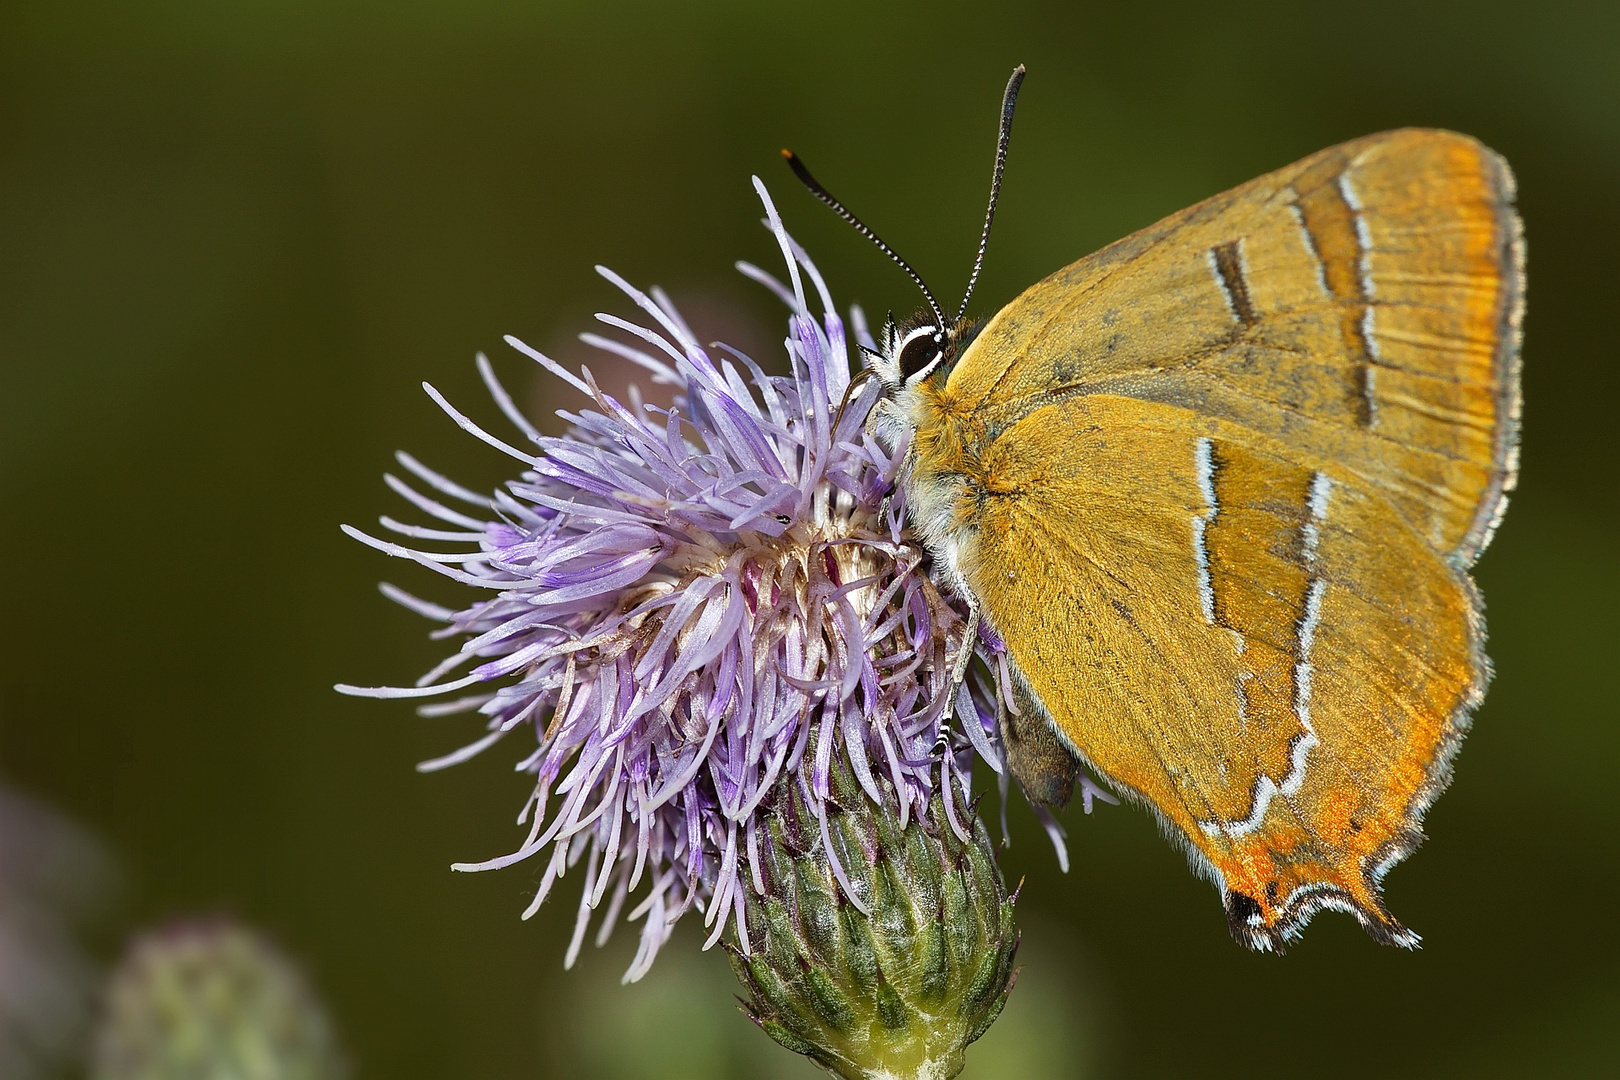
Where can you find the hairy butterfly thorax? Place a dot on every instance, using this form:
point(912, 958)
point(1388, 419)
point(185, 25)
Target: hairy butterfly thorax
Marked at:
point(914, 363)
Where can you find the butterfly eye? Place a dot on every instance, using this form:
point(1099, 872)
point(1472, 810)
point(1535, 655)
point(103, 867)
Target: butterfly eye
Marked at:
point(921, 349)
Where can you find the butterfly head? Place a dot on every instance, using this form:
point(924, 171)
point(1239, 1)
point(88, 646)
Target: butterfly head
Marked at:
point(911, 352)
point(929, 342)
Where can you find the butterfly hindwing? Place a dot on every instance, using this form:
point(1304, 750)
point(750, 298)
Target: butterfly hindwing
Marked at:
point(1259, 650)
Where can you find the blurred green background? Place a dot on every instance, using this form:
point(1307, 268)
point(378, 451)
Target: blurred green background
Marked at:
point(234, 238)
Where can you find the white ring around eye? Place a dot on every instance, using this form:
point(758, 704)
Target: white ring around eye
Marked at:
point(921, 331)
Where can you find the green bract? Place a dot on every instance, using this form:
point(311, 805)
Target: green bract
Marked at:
point(895, 973)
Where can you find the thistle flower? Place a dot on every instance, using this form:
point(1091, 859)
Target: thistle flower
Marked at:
point(689, 607)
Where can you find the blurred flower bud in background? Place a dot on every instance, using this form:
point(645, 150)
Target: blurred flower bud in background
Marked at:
point(212, 1000)
point(51, 875)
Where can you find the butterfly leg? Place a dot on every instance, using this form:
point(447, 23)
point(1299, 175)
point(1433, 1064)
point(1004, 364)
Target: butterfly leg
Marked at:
point(964, 657)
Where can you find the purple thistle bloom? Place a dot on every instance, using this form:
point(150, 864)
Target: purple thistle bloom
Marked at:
point(688, 607)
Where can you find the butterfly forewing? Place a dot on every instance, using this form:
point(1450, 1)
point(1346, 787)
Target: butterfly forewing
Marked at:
point(1219, 485)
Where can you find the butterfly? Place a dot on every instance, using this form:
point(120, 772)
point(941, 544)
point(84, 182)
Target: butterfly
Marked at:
point(1218, 487)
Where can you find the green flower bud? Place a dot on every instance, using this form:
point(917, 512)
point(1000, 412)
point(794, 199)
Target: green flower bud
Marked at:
point(892, 967)
point(209, 1001)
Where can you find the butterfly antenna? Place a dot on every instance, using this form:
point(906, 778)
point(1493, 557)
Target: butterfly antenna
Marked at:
point(842, 211)
point(1009, 101)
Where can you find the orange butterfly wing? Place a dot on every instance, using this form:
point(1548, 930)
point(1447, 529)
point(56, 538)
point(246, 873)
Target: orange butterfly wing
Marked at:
point(1218, 487)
